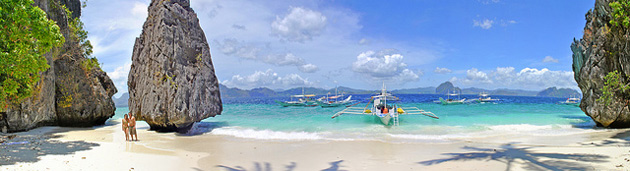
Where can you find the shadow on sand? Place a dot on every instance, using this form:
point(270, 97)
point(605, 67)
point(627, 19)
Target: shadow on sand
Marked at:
point(619, 139)
point(334, 166)
point(533, 161)
point(29, 147)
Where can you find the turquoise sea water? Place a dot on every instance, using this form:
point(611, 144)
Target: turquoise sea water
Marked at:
point(263, 119)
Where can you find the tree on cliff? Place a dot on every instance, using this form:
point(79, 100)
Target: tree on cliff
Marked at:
point(620, 21)
point(613, 85)
point(25, 36)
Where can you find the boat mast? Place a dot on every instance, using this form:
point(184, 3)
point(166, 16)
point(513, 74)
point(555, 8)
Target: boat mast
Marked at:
point(384, 94)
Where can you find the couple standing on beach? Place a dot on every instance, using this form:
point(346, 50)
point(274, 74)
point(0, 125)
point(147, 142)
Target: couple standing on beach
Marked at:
point(129, 126)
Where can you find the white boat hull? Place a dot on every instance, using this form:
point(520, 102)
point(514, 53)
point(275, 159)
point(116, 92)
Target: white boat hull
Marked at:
point(385, 118)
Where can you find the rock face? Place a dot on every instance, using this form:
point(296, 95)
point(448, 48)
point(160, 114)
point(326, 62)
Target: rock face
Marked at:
point(67, 94)
point(83, 96)
point(602, 49)
point(447, 87)
point(171, 81)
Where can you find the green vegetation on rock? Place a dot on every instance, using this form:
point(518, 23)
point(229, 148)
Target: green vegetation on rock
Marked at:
point(25, 36)
point(621, 13)
point(612, 86)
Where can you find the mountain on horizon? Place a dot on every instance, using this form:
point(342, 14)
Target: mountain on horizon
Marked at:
point(227, 92)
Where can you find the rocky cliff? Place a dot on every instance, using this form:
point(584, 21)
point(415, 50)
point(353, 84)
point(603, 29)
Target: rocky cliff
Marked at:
point(67, 94)
point(447, 87)
point(602, 49)
point(171, 81)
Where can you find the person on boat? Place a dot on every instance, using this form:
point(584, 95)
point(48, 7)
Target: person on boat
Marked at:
point(132, 127)
point(125, 127)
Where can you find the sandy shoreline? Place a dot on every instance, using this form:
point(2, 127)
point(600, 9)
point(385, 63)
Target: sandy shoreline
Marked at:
point(104, 148)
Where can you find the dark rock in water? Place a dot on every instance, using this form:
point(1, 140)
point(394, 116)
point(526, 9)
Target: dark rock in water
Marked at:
point(447, 87)
point(66, 94)
point(602, 49)
point(171, 81)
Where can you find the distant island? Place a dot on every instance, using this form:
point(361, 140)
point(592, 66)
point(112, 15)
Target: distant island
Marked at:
point(227, 92)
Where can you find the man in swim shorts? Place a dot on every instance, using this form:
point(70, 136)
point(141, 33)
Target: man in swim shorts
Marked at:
point(132, 127)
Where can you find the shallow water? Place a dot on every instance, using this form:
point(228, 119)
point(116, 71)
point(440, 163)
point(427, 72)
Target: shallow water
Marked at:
point(263, 119)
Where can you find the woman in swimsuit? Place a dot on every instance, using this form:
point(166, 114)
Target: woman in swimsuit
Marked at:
point(125, 127)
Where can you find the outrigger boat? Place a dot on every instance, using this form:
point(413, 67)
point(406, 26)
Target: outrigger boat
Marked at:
point(484, 97)
point(572, 101)
point(302, 100)
point(333, 101)
point(450, 101)
point(384, 108)
point(328, 101)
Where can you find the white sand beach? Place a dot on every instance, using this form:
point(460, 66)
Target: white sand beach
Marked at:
point(105, 148)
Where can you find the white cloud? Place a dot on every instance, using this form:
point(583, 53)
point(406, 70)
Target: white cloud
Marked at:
point(453, 79)
point(267, 78)
point(474, 75)
point(527, 78)
point(545, 78)
point(284, 59)
point(299, 25)
point(549, 59)
point(233, 47)
point(119, 77)
point(379, 65)
point(384, 65)
point(407, 75)
point(308, 68)
point(484, 24)
point(439, 70)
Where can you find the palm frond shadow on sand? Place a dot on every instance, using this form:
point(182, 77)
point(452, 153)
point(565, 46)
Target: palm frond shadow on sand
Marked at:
point(508, 154)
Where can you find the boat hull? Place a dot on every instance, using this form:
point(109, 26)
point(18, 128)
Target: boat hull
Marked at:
point(324, 104)
point(385, 118)
point(445, 102)
point(304, 104)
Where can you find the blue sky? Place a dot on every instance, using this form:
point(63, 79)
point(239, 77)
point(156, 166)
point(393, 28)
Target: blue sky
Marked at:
point(284, 44)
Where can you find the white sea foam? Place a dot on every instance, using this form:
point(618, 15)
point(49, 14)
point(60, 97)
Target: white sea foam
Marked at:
point(527, 127)
point(265, 134)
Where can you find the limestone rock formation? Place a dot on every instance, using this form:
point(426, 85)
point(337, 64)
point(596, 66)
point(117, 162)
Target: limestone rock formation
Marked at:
point(83, 95)
point(447, 87)
point(67, 94)
point(171, 81)
point(601, 50)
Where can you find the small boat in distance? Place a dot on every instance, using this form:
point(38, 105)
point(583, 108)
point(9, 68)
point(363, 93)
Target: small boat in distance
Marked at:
point(384, 108)
point(333, 101)
point(484, 97)
point(450, 101)
point(572, 101)
point(305, 100)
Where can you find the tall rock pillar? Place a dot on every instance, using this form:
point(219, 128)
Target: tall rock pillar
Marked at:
point(171, 81)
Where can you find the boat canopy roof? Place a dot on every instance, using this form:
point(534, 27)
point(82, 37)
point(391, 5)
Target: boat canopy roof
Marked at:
point(305, 95)
point(389, 97)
